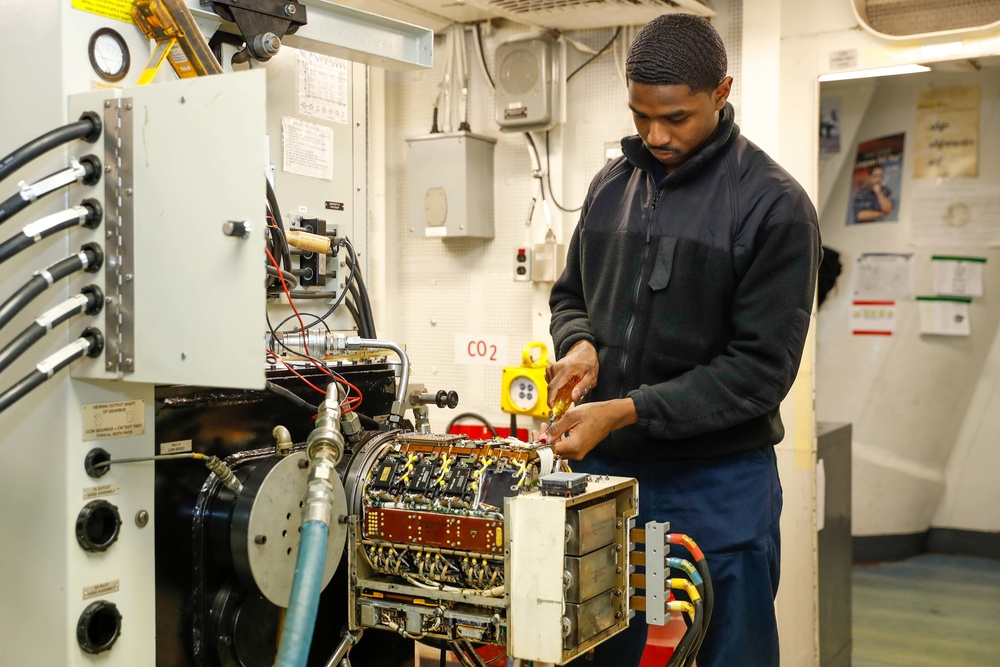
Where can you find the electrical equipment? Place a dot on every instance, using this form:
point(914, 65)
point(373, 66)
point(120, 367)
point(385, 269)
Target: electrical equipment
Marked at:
point(450, 185)
point(549, 260)
point(522, 265)
point(530, 83)
point(525, 391)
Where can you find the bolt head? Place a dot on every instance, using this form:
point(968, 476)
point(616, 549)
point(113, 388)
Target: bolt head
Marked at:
point(260, 539)
point(141, 518)
point(290, 10)
point(107, 104)
point(128, 106)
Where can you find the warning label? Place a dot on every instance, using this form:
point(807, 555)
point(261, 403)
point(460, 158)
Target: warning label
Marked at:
point(114, 420)
point(119, 10)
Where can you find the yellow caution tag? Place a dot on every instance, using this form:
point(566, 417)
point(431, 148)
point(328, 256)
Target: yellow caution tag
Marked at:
point(119, 10)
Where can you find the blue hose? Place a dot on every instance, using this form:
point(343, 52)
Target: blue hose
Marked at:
point(300, 621)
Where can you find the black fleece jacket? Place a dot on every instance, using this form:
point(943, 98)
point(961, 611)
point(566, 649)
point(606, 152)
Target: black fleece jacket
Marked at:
point(696, 291)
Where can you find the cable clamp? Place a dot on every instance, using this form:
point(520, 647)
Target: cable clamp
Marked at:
point(71, 174)
point(44, 273)
point(55, 315)
point(36, 229)
point(51, 364)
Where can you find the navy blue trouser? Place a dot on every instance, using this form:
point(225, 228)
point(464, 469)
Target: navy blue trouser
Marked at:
point(730, 506)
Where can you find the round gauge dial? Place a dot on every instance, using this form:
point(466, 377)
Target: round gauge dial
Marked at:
point(523, 393)
point(109, 55)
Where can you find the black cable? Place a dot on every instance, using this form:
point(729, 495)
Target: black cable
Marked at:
point(702, 566)
point(87, 169)
point(272, 200)
point(90, 343)
point(290, 280)
point(548, 176)
point(687, 642)
point(444, 651)
point(294, 316)
point(596, 55)
point(89, 301)
point(291, 396)
point(89, 259)
point(87, 128)
point(472, 415)
point(347, 284)
point(363, 312)
point(513, 425)
point(88, 214)
point(482, 56)
point(366, 304)
point(358, 321)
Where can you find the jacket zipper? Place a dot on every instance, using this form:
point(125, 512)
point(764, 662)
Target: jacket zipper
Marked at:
point(638, 285)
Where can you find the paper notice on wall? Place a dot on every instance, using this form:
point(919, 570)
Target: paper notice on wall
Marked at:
point(820, 495)
point(307, 148)
point(873, 318)
point(323, 89)
point(947, 139)
point(955, 215)
point(884, 276)
point(958, 276)
point(944, 316)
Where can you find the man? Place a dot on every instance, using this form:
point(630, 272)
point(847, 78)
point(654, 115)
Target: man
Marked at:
point(873, 201)
point(683, 311)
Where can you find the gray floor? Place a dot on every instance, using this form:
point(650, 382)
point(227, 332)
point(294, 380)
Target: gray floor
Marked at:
point(928, 611)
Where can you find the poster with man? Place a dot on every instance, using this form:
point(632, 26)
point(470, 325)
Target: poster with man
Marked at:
point(877, 181)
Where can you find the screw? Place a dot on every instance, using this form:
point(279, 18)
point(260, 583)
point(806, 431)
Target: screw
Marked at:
point(141, 518)
point(618, 570)
point(107, 104)
point(107, 169)
point(128, 361)
point(108, 365)
point(183, 99)
point(128, 106)
point(618, 525)
point(289, 10)
point(128, 277)
point(107, 300)
point(303, 464)
point(128, 192)
point(618, 615)
point(260, 539)
point(618, 593)
point(108, 234)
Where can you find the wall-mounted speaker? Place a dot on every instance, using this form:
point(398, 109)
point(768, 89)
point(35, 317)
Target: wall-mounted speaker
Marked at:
point(530, 81)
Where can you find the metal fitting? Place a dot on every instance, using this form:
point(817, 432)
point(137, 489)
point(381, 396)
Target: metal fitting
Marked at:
point(326, 435)
point(282, 441)
point(225, 474)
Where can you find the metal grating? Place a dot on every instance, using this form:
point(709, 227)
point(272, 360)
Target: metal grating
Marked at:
point(901, 18)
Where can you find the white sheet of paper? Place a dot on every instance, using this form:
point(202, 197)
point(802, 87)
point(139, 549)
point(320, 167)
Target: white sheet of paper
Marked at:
point(323, 90)
point(944, 316)
point(884, 276)
point(820, 495)
point(958, 276)
point(947, 214)
point(873, 318)
point(307, 148)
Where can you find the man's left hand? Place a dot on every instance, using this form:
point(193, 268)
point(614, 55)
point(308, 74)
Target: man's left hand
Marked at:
point(583, 426)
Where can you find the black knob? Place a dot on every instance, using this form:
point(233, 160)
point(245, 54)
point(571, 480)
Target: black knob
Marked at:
point(441, 398)
point(452, 399)
point(99, 627)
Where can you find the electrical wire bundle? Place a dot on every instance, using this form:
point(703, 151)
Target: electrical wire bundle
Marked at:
point(455, 52)
point(698, 588)
point(90, 258)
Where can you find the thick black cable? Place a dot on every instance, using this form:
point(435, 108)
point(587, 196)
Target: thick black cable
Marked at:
point(272, 201)
point(596, 55)
point(90, 343)
point(482, 56)
point(548, 176)
point(344, 292)
point(90, 301)
point(477, 417)
point(358, 320)
point(702, 566)
point(89, 258)
point(291, 396)
point(687, 642)
point(88, 214)
point(88, 128)
point(366, 303)
point(291, 280)
point(365, 315)
point(87, 170)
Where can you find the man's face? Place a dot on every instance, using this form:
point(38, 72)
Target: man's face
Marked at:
point(875, 176)
point(673, 121)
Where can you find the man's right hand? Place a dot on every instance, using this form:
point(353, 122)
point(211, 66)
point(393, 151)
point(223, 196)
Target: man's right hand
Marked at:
point(580, 365)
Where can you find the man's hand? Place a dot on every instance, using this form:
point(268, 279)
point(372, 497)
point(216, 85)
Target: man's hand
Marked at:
point(579, 365)
point(583, 426)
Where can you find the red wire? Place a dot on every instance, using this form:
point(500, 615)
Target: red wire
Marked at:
point(684, 540)
point(293, 371)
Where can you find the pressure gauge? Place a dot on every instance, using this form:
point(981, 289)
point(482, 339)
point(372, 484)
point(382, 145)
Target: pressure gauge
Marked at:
point(523, 393)
point(109, 55)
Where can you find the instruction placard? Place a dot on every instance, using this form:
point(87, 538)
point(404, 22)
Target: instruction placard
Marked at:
point(119, 10)
point(114, 420)
point(100, 590)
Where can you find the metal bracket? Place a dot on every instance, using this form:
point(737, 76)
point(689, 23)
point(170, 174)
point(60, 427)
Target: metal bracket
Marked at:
point(656, 581)
point(256, 18)
point(119, 283)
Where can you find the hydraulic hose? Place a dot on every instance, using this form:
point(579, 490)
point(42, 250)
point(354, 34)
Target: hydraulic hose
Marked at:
point(90, 258)
point(709, 593)
point(396, 413)
point(87, 128)
point(86, 170)
point(88, 214)
point(89, 301)
point(687, 646)
point(324, 446)
point(90, 343)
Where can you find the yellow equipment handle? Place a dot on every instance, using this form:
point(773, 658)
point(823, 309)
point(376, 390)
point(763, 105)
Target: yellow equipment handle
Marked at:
point(171, 24)
point(543, 355)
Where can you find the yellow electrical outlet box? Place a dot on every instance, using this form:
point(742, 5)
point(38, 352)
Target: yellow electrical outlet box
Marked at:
point(525, 391)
